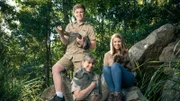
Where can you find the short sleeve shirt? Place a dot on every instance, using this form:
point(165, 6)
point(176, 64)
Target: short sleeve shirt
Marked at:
point(75, 87)
point(83, 29)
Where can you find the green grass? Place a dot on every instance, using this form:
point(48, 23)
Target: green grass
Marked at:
point(151, 80)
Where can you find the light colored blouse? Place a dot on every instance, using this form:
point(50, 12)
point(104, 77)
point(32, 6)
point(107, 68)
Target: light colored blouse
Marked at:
point(108, 61)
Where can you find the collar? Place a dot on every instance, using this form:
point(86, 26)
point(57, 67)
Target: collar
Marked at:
point(80, 23)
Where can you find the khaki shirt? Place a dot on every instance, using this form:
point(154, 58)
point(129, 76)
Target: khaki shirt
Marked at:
point(73, 51)
point(75, 87)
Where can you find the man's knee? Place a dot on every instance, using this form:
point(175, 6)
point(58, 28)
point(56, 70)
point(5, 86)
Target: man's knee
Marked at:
point(57, 68)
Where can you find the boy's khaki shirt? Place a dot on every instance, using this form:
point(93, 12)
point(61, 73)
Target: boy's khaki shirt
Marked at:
point(75, 86)
point(73, 51)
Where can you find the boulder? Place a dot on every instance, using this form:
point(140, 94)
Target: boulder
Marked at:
point(129, 94)
point(171, 88)
point(66, 89)
point(171, 52)
point(151, 47)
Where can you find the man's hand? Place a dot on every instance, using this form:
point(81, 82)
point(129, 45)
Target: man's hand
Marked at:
point(59, 30)
point(83, 42)
point(80, 41)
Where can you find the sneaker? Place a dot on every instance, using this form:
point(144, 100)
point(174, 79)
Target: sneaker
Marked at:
point(111, 97)
point(56, 98)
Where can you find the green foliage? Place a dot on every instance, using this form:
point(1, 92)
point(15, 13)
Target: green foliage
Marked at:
point(20, 89)
point(30, 50)
point(155, 84)
point(152, 79)
point(14, 85)
point(31, 90)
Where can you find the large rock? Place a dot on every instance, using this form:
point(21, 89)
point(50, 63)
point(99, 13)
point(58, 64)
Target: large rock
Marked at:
point(171, 52)
point(171, 90)
point(66, 89)
point(105, 90)
point(48, 93)
point(151, 47)
point(133, 94)
point(162, 44)
point(130, 94)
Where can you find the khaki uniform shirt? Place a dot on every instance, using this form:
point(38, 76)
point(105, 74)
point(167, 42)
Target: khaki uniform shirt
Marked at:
point(75, 87)
point(73, 51)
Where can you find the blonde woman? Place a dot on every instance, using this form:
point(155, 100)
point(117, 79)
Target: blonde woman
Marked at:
point(117, 75)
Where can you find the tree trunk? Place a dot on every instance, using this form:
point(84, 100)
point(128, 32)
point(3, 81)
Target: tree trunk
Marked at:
point(48, 45)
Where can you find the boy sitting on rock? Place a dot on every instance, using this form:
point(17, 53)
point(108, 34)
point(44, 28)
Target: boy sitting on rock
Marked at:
point(85, 85)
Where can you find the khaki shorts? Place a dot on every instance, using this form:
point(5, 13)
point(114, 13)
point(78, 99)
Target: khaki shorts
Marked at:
point(70, 63)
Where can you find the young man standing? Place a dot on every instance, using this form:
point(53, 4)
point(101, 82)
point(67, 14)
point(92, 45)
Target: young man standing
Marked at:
point(75, 48)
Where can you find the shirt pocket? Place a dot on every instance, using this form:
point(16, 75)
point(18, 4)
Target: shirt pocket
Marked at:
point(83, 33)
point(78, 57)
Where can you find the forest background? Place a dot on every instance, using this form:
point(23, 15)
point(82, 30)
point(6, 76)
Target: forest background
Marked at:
point(29, 45)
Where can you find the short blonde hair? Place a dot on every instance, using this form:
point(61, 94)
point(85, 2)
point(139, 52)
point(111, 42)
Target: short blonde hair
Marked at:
point(123, 47)
point(79, 6)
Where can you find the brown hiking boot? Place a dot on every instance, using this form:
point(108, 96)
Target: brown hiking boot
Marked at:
point(95, 98)
point(117, 96)
point(111, 97)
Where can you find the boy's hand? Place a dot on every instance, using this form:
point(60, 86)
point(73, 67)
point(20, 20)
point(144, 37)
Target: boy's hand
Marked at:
point(95, 79)
point(94, 84)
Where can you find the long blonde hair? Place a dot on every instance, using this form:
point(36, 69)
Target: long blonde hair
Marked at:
point(123, 47)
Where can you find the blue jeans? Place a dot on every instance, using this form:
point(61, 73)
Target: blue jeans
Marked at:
point(118, 77)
